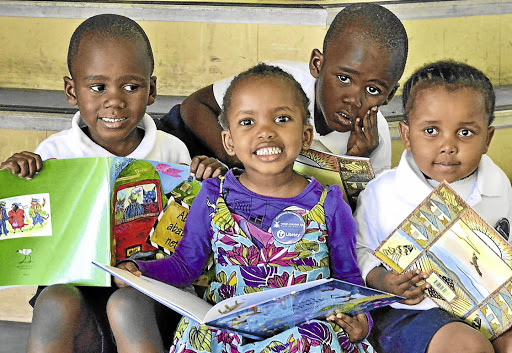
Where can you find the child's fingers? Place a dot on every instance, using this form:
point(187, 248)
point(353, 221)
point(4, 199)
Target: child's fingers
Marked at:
point(130, 267)
point(370, 124)
point(25, 164)
point(196, 161)
point(356, 327)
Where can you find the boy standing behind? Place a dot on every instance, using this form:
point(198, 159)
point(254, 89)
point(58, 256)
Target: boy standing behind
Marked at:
point(364, 55)
point(111, 65)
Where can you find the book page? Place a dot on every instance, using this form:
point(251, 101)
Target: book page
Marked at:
point(468, 262)
point(185, 303)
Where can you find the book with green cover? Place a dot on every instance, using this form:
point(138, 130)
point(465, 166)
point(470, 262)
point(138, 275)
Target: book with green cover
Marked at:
point(469, 263)
point(79, 210)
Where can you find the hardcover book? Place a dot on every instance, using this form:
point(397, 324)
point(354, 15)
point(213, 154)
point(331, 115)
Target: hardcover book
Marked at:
point(469, 263)
point(78, 210)
point(349, 172)
point(263, 314)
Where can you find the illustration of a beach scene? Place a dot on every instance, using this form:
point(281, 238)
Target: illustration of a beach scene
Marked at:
point(25, 216)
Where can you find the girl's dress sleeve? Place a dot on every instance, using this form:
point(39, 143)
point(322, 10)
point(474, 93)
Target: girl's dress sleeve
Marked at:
point(341, 228)
point(185, 265)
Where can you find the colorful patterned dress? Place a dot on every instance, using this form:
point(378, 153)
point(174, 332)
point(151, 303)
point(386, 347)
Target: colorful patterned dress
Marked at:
point(248, 259)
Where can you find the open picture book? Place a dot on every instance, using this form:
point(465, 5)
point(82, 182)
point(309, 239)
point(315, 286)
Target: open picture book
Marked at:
point(469, 262)
point(263, 314)
point(349, 172)
point(83, 209)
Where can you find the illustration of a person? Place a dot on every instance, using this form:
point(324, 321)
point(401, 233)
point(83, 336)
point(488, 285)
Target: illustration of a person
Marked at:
point(17, 217)
point(3, 219)
point(36, 212)
point(134, 208)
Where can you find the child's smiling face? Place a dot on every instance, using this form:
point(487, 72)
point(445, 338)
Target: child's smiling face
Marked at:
point(353, 75)
point(447, 131)
point(266, 125)
point(112, 85)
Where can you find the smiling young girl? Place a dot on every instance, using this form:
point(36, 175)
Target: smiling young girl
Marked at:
point(265, 118)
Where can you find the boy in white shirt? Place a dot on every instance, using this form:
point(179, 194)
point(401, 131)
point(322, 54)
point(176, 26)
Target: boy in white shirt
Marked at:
point(448, 112)
point(111, 65)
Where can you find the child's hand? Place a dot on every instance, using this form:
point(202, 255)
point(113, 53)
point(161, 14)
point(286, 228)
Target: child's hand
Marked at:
point(204, 167)
point(25, 164)
point(404, 284)
point(356, 327)
point(127, 266)
point(364, 139)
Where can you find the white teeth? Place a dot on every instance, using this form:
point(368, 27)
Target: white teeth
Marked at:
point(269, 151)
point(112, 120)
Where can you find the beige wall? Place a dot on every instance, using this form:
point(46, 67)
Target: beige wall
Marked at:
point(191, 55)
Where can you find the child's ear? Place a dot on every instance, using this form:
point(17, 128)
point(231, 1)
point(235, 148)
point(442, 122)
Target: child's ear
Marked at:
point(69, 90)
point(152, 90)
point(315, 63)
point(307, 137)
point(227, 141)
point(391, 94)
point(404, 134)
point(490, 134)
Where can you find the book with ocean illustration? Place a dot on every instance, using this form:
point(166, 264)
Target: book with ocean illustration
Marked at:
point(469, 262)
point(263, 314)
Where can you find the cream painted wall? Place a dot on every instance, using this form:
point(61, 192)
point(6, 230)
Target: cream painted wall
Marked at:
point(192, 55)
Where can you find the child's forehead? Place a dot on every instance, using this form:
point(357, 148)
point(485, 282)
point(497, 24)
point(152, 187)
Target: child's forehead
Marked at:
point(94, 45)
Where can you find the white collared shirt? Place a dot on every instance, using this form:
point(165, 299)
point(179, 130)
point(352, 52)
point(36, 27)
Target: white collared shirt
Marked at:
point(393, 195)
point(74, 143)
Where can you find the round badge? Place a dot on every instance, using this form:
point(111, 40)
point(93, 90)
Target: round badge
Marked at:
point(288, 227)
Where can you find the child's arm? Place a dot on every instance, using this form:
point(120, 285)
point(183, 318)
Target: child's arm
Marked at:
point(185, 265)
point(204, 167)
point(342, 251)
point(200, 112)
point(370, 234)
point(25, 164)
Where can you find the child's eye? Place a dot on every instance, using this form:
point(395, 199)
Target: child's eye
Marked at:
point(246, 122)
point(374, 91)
point(98, 88)
point(344, 79)
point(465, 133)
point(282, 119)
point(130, 87)
point(431, 131)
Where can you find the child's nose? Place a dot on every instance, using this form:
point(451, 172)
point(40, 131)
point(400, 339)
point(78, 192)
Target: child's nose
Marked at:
point(114, 100)
point(266, 131)
point(354, 97)
point(449, 146)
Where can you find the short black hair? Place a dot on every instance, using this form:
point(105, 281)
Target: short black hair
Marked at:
point(108, 26)
point(263, 70)
point(375, 23)
point(450, 75)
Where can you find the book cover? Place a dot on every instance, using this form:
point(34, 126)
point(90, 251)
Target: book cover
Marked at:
point(263, 314)
point(349, 172)
point(79, 210)
point(468, 262)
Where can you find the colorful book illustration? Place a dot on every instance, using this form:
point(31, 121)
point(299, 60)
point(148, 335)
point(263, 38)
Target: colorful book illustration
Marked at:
point(79, 210)
point(167, 231)
point(351, 173)
point(263, 314)
point(469, 263)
